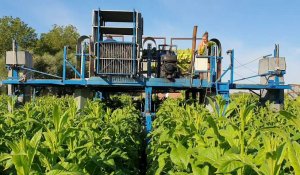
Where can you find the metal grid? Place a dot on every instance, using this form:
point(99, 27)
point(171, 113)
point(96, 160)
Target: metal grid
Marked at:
point(116, 58)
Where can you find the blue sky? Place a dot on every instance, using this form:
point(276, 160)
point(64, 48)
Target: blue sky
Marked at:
point(250, 27)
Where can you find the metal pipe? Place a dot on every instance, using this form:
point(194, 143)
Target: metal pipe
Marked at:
point(223, 74)
point(276, 55)
point(232, 65)
point(98, 40)
point(43, 73)
point(192, 66)
point(64, 63)
point(157, 38)
point(134, 46)
point(15, 73)
point(231, 52)
point(83, 58)
point(73, 68)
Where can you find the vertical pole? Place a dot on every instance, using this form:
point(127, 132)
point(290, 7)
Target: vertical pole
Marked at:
point(147, 112)
point(64, 63)
point(213, 65)
point(98, 43)
point(276, 55)
point(219, 64)
point(187, 94)
point(134, 43)
point(223, 90)
point(149, 59)
point(192, 66)
point(83, 58)
point(211, 60)
point(232, 66)
point(34, 93)
point(15, 73)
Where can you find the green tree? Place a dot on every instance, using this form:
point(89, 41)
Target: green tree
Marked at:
point(15, 28)
point(54, 41)
point(53, 64)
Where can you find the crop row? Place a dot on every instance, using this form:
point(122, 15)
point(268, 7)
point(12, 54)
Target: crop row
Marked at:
point(246, 139)
point(50, 136)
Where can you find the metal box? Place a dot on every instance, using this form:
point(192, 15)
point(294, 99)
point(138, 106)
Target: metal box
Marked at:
point(23, 58)
point(271, 64)
point(201, 64)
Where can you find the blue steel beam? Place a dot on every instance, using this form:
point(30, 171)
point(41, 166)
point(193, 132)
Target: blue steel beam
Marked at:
point(43, 73)
point(232, 66)
point(64, 62)
point(134, 43)
point(147, 112)
point(259, 86)
point(181, 83)
point(73, 68)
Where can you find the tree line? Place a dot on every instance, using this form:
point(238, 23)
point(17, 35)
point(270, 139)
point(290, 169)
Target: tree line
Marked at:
point(46, 48)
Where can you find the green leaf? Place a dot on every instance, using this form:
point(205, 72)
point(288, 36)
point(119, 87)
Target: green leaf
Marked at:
point(4, 157)
point(294, 156)
point(179, 156)
point(161, 163)
point(197, 170)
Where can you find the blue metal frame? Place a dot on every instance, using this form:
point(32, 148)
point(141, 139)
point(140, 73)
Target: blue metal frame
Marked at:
point(146, 83)
point(36, 71)
point(64, 62)
point(83, 60)
point(134, 43)
point(148, 107)
point(98, 42)
point(232, 66)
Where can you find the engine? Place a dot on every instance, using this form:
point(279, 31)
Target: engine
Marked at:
point(169, 68)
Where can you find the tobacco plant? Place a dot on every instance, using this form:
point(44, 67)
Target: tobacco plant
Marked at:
point(52, 136)
point(242, 138)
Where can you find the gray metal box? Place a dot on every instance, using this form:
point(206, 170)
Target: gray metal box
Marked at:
point(271, 64)
point(23, 58)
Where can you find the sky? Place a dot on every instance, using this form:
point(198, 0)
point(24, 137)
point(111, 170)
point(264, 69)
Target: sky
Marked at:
point(251, 27)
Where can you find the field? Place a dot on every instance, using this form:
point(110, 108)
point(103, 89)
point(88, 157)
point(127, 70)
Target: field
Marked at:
point(51, 136)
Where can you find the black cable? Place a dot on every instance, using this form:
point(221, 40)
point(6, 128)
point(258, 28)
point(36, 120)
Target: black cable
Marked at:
point(248, 62)
point(244, 65)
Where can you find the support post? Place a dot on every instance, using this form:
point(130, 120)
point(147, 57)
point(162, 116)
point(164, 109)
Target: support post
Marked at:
point(187, 94)
point(149, 60)
point(134, 44)
point(98, 43)
point(231, 65)
point(64, 63)
point(81, 96)
point(223, 90)
point(192, 65)
point(83, 59)
point(147, 112)
point(276, 55)
point(274, 96)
